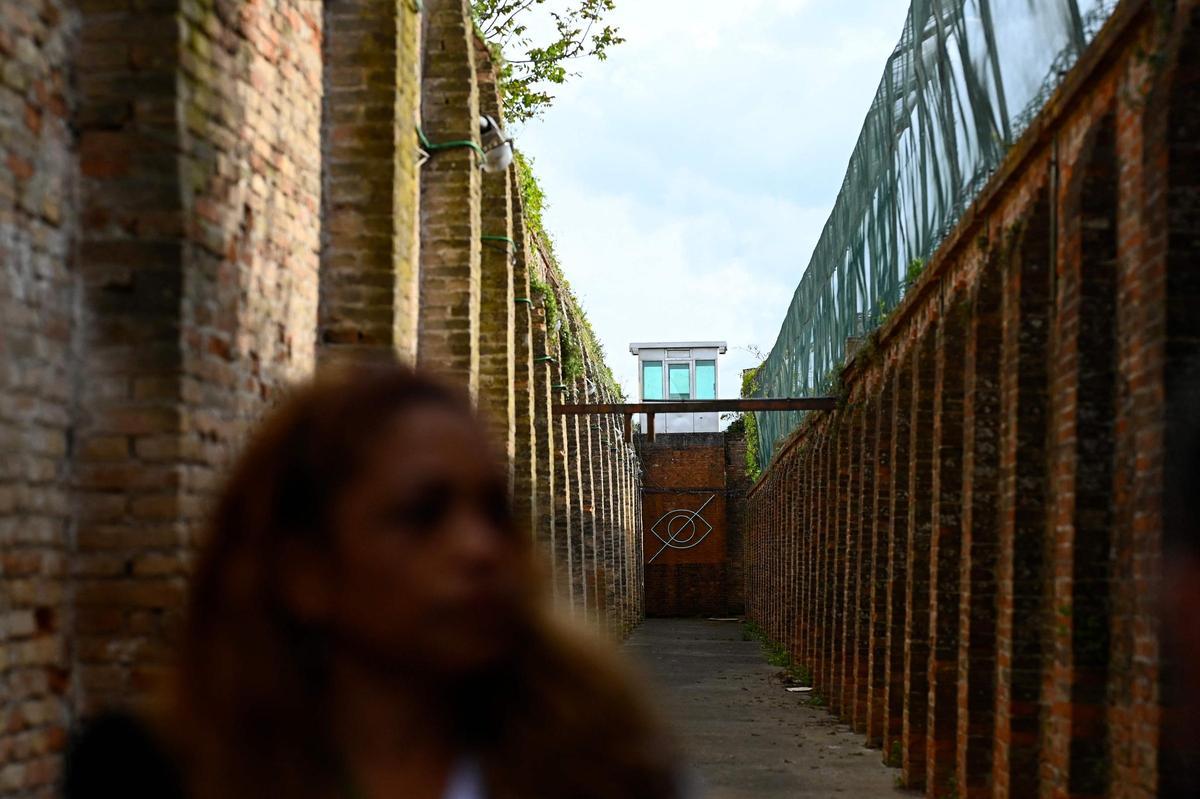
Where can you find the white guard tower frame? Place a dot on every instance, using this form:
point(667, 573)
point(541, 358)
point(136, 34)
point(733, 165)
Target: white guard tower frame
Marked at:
point(679, 371)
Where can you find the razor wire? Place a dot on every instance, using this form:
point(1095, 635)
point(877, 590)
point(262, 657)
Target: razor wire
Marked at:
point(964, 82)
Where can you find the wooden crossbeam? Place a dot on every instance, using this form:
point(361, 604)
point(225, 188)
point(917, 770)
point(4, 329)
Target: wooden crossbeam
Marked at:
point(628, 409)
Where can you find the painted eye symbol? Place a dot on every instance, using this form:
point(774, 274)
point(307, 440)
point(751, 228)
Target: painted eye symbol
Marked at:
point(681, 528)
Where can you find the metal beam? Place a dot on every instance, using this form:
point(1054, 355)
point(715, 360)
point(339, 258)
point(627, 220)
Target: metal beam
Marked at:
point(700, 406)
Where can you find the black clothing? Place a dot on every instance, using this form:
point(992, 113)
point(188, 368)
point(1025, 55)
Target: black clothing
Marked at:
point(118, 755)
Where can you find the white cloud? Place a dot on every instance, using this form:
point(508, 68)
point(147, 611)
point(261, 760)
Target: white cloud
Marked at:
point(690, 175)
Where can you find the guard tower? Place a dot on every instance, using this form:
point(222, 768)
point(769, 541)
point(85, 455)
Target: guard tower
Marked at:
point(676, 371)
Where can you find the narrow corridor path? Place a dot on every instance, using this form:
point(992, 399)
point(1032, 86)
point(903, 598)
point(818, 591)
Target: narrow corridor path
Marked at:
point(741, 730)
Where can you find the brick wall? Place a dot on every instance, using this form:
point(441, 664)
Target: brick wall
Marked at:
point(197, 200)
point(497, 314)
point(996, 592)
point(369, 176)
point(38, 296)
point(448, 316)
point(687, 473)
point(200, 167)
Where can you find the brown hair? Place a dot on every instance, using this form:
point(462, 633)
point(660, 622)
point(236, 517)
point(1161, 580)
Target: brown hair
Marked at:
point(561, 719)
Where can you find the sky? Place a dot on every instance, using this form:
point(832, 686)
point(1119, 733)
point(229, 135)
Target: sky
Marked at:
point(689, 176)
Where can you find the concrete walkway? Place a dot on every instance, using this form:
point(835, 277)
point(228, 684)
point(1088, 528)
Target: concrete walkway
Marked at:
point(742, 731)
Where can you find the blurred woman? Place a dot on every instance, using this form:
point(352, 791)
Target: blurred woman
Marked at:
point(367, 621)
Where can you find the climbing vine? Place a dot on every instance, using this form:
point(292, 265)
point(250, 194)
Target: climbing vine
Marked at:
point(750, 421)
point(571, 354)
point(533, 199)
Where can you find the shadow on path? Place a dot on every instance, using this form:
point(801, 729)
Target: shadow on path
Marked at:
point(742, 731)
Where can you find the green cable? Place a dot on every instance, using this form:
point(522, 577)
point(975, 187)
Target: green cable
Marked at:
point(498, 238)
point(544, 359)
point(560, 387)
point(428, 145)
point(525, 300)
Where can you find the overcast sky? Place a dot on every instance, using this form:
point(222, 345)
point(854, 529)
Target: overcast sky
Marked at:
point(689, 175)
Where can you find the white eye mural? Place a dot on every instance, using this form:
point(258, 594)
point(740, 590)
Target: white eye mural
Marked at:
point(680, 528)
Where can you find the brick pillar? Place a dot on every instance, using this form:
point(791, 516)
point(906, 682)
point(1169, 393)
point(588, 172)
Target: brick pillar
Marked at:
point(639, 588)
point(565, 487)
point(200, 293)
point(618, 542)
point(602, 456)
point(775, 558)
point(839, 463)
point(1074, 734)
point(751, 543)
point(768, 543)
point(864, 529)
point(1021, 596)
point(627, 553)
point(809, 645)
point(825, 548)
point(497, 311)
point(803, 555)
point(621, 537)
point(588, 501)
point(544, 425)
point(897, 577)
point(980, 527)
point(796, 533)
point(450, 198)
point(787, 545)
point(131, 261)
point(369, 174)
point(612, 544)
point(1159, 351)
point(577, 507)
point(639, 542)
point(920, 535)
point(748, 542)
point(945, 548)
point(527, 448)
point(848, 569)
point(779, 553)
point(880, 520)
point(756, 544)
point(768, 563)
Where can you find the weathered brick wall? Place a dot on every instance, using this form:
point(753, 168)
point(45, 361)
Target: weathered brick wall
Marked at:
point(686, 472)
point(979, 528)
point(38, 209)
point(200, 163)
point(525, 405)
point(497, 312)
point(370, 177)
point(196, 197)
point(250, 97)
point(587, 477)
point(448, 314)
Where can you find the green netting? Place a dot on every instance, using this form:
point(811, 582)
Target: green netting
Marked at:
point(960, 87)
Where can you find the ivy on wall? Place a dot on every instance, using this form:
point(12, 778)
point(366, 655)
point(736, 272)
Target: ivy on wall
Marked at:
point(750, 421)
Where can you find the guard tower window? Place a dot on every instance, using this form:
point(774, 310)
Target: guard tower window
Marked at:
point(706, 380)
point(652, 380)
point(680, 377)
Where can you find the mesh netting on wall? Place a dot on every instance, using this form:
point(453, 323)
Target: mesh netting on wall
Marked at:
point(963, 83)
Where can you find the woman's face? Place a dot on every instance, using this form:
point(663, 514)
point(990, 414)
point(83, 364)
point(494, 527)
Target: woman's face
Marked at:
point(429, 569)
